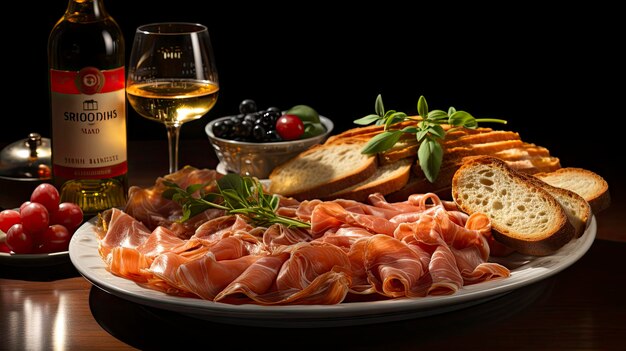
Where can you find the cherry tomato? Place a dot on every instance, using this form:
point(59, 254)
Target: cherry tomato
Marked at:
point(56, 238)
point(8, 218)
point(18, 240)
point(35, 218)
point(69, 214)
point(47, 195)
point(289, 127)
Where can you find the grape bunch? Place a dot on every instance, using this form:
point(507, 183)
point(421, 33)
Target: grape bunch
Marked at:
point(269, 125)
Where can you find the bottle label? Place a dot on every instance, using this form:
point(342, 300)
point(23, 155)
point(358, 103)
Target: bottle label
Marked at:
point(88, 123)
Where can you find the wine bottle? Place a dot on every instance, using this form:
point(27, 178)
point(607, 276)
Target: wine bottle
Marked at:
point(88, 107)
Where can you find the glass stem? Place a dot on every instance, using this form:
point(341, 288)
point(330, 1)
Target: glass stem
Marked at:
point(173, 131)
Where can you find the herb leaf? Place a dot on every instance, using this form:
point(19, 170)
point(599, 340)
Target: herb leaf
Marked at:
point(237, 195)
point(367, 119)
point(381, 142)
point(379, 107)
point(422, 107)
point(428, 131)
point(430, 156)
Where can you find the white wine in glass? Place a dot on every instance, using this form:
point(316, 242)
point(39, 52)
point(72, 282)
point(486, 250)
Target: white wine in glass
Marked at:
point(172, 77)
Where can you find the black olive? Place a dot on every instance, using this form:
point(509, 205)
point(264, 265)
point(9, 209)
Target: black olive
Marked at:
point(247, 106)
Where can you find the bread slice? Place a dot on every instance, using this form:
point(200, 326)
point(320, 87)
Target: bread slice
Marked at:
point(591, 186)
point(576, 207)
point(364, 132)
point(387, 178)
point(480, 138)
point(524, 216)
point(323, 170)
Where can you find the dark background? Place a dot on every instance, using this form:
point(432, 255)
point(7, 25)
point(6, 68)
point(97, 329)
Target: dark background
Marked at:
point(552, 73)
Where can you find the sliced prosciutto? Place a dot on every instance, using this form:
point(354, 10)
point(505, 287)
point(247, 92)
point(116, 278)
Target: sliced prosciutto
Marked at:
point(152, 209)
point(352, 251)
point(122, 231)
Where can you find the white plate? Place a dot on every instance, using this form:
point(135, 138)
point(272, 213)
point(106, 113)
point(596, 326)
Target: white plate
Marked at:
point(45, 259)
point(85, 257)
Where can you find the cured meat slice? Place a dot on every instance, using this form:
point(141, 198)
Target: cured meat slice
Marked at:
point(122, 231)
point(206, 277)
point(278, 235)
point(393, 268)
point(229, 248)
point(316, 273)
point(344, 237)
point(256, 281)
point(310, 260)
point(221, 227)
point(331, 215)
point(150, 207)
point(162, 240)
point(129, 263)
point(165, 273)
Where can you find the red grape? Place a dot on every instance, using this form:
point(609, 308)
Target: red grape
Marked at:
point(69, 214)
point(55, 238)
point(47, 195)
point(24, 204)
point(18, 240)
point(35, 217)
point(8, 218)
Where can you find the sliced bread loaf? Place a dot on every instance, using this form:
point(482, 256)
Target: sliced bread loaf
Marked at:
point(524, 216)
point(387, 179)
point(591, 186)
point(323, 170)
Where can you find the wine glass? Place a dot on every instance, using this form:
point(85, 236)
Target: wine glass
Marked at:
point(172, 77)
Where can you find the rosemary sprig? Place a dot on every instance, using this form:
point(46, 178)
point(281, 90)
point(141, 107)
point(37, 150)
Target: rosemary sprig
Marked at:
point(237, 195)
point(428, 131)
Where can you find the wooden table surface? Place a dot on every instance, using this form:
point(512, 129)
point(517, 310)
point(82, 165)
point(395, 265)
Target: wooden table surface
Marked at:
point(582, 307)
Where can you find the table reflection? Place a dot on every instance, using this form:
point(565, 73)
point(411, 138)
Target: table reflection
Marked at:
point(44, 321)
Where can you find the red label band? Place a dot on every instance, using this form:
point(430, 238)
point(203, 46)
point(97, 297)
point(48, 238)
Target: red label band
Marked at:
point(88, 80)
point(90, 173)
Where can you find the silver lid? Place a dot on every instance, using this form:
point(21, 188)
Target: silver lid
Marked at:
point(27, 158)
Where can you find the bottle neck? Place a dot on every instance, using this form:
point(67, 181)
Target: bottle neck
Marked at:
point(85, 10)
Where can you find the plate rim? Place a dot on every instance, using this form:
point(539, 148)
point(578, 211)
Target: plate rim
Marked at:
point(26, 260)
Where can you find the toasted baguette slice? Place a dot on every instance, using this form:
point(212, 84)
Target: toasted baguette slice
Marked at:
point(408, 147)
point(387, 178)
point(525, 152)
point(323, 170)
point(481, 138)
point(576, 207)
point(536, 164)
point(524, 216)
point(591, 186)
point(403, 149)
point(364, 132)
point(488, 148)
point(461, 132)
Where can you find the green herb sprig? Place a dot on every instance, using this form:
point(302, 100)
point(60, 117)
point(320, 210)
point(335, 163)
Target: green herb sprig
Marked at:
point(427, 130)
point(237, 195)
